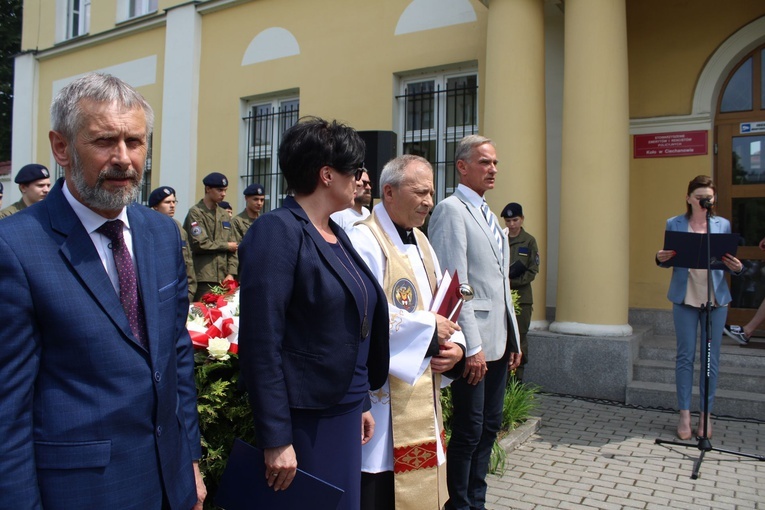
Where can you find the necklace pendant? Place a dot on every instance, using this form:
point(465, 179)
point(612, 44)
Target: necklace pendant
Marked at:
point(364, 327)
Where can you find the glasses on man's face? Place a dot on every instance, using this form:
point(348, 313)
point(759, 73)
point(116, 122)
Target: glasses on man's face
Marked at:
point(360, 173)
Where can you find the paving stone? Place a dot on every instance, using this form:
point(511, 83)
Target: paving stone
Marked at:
point(587, 454)
point(626, 502)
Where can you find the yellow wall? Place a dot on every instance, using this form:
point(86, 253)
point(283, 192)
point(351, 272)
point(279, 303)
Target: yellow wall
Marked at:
point(669, 45)
point(38, 24)
point(345, 69)
point(134, 47)
point(348, 67)
point(41, 17)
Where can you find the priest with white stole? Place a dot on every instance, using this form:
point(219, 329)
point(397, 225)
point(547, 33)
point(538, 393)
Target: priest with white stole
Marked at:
point(404, 463)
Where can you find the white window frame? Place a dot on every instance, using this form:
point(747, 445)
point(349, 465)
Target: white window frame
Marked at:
point(80, 26)
point(129, 9)
point(274, 191)
point(439, 132)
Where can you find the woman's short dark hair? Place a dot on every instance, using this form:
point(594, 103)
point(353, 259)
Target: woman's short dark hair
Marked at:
point(313, 143)
point(700, 181)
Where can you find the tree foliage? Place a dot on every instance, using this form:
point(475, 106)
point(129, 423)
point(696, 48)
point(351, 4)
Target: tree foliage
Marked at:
point(10, 45)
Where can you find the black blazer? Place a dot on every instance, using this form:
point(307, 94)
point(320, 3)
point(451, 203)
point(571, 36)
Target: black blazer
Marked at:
point(299, 325)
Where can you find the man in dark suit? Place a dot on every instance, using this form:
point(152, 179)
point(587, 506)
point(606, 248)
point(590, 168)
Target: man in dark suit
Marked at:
point(96, 370)
point(467, 238)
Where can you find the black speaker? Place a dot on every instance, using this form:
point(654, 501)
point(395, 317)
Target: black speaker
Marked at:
point(381, 148)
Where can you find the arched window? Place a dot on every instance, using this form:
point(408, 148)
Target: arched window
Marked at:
point(744, 90)
point(740, 175)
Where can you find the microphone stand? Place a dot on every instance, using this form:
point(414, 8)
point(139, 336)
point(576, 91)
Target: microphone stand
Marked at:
point(704, 445)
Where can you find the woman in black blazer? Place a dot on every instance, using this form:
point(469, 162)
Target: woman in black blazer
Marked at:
point(313, 336)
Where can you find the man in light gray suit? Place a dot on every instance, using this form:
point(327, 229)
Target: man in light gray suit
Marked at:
point(466, 237)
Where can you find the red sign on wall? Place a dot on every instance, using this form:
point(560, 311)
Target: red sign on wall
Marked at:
point(665, 145)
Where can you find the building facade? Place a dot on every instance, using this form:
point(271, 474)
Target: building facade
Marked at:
point(602, 111)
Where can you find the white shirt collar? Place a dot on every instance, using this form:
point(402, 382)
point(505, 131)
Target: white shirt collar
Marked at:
point(474, 198)
point(90, 219)
point(387, 224)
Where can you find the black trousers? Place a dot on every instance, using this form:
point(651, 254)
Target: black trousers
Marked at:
point(476, 420)
point(377, 491)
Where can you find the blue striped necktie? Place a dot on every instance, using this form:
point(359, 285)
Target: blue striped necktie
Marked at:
point(491, 220)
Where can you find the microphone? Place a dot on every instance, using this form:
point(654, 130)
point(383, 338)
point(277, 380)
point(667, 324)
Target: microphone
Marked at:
point(706, 203)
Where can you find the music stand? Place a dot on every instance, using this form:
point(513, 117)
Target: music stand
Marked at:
point(704, 445)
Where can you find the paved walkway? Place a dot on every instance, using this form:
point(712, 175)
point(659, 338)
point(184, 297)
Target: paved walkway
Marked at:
point(600, 455)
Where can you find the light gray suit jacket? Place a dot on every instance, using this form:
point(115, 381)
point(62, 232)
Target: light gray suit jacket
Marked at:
point(464, 242)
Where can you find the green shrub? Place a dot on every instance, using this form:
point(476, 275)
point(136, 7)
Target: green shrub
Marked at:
point(520, 402)
point(224, 414)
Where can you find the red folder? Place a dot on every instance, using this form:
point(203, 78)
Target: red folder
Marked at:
point(447, 301)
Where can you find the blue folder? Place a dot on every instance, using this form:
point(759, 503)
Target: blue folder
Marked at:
point(691, 249)
point(243, 486)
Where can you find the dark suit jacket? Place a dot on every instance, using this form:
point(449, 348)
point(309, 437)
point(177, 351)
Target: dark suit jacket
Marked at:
point(89, 418)
point(299, 325)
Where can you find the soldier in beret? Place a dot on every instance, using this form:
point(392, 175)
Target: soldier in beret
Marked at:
point(524, 266)
point(34, 184)
point(254, 198)
point(213, 244)
point(163, 200)
point(227, 207)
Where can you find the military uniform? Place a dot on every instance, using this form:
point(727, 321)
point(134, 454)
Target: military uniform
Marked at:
point(523, 248)
point(190, 273)
point(28, 174)
point(209, 232)
point(13, 209)
point(240, 224)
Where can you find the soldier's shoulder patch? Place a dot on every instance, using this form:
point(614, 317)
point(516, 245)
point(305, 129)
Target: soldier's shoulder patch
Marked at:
point(195, 228)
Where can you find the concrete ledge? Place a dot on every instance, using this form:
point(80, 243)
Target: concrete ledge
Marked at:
point(520, 435)
point(582, 329)
point(660, 320)
point(585, 366)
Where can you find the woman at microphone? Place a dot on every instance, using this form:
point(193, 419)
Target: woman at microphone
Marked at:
point(688, 294)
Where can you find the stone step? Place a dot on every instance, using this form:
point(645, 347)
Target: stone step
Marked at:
point(738, 404)
point(663, 348)
point(728, 377)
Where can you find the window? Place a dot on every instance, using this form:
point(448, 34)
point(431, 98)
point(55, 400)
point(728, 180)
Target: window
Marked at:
point(436, 112)
point(129, 9)
point(738, 93)
point(77, 18)
point(140, 7)
point(744, 90)
point(264, 124)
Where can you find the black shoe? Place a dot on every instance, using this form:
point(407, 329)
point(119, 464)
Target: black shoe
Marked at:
point(736, 333)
